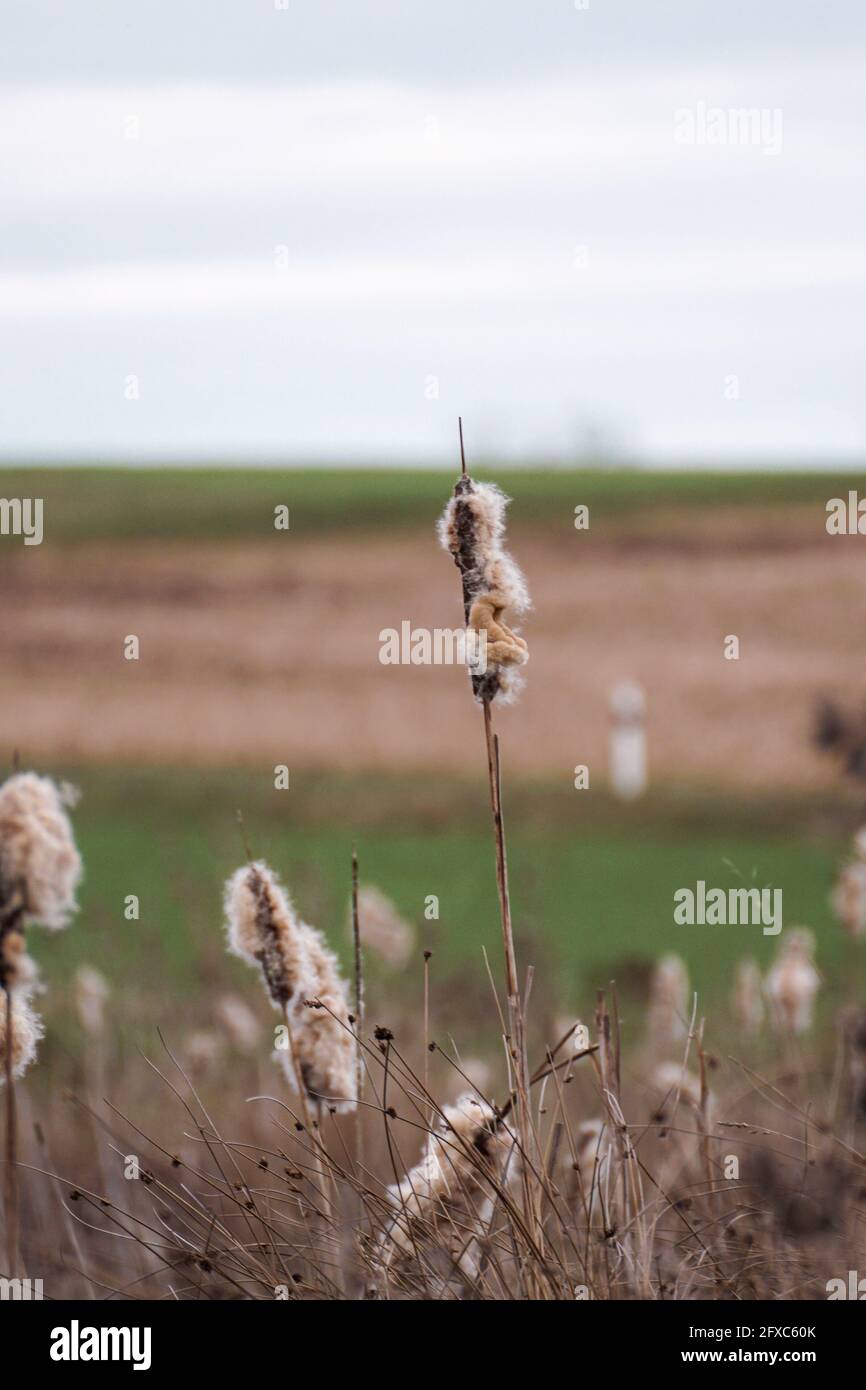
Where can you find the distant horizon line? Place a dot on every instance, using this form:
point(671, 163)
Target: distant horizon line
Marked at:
point(841, 463)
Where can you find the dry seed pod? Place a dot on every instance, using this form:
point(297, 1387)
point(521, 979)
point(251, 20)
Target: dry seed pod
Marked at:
point(382, 928)
point(472, 529)
point(91, 995)
point(302, 980)
point(323, 1039)
point(40, 868)
point(793, 982)
point(26, 1031)
point(669, 1002)
point(748, 997)
point(444, 1204)
point(239, 1022)
point(848, 898)
point(265, 931)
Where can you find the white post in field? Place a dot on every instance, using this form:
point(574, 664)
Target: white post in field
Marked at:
point(628, 759)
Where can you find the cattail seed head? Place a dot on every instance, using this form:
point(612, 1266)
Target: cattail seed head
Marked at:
point(302, 979)
point(470, 1126)
point(323, 1042)
point(472, 530)
point(264, 930)
point(26, 1031)
point(202, 1051)
point(478, 1073)
point(467, 1145)
point(670, 1079)
point(591, 1150)
point(853, 1023)
point(382, 928)
point(849, 892)
point(793, 982)
point(40, 867)
point(446, 1201)
point(17, 969)
point(748, 997)
point(239, 1022)
point(91, 995)
point(669, 1001)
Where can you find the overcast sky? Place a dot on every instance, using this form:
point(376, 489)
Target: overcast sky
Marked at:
point(240, 231)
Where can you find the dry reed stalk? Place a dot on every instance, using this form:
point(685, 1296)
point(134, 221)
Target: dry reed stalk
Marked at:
point(704, 1120)
point(471, 530)
point(427, 958)
point(359, 1015)
point(669, 1003)
point(457, 1230)
point(11, 1177)
point(359, 984)
point(516, 1021)
point(634, 1239)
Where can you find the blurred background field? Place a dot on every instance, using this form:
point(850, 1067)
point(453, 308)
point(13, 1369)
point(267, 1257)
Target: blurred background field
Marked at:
point(92, 503)
point(593, 890)
point(260, 648)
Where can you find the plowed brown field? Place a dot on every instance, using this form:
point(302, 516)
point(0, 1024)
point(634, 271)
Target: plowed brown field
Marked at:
point(270, 654)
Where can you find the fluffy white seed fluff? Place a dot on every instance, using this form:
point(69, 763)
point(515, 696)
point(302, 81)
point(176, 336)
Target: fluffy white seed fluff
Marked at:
point(38, 857)
point(91, 996)
point(239, 1022)
point(671, 1082)
point(590, 1160)
point(478, 1073)
point(302, 980)
point(793, 982)
point(382, 928)
point(448, 1196)
point(203, 1051)
point(849, 897)
point(495, 571)
point(26, 1031)
point(748, 997)
point(472, 529)
point(264, 930)
point(324, 1044)
point(669, 1009)
point(588, 1163)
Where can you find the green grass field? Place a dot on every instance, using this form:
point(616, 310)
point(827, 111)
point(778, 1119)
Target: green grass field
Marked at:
point(85, 504)
point(592, 887)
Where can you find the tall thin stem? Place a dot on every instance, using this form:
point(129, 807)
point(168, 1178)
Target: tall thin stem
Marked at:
point(516, 1022)
point(427, 955)
point(359, 1014)
point(493, 769)
point(11, 1177)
